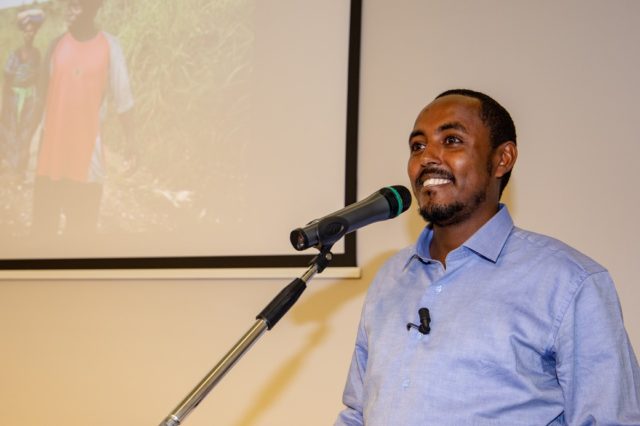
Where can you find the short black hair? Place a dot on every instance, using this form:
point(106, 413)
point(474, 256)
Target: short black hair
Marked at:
point(495, 117)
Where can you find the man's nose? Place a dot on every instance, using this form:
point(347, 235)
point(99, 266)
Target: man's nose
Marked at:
point(432, 154)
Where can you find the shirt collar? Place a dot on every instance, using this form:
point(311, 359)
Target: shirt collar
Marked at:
point(488, 241)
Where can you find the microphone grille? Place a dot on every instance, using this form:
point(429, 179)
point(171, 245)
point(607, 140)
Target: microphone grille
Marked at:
point(399, 199)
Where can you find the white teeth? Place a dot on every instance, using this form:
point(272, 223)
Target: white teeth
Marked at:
point(435, 182)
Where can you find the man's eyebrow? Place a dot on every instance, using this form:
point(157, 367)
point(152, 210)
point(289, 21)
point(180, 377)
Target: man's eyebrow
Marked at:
point(454, 125)
point(416, 133)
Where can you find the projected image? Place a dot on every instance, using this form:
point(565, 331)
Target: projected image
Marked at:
point(170, 129)
point(119, 118)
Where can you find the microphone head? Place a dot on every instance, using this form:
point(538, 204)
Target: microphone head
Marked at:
point(299, 239)
point(398, 197)
point(423, 313)
point(387, 203)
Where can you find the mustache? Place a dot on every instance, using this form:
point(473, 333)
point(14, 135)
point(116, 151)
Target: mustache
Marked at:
point(434, 172)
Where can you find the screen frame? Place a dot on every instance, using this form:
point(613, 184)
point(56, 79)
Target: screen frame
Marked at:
point(346, 259)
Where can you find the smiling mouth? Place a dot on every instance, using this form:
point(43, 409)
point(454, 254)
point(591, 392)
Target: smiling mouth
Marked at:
point(435, 182)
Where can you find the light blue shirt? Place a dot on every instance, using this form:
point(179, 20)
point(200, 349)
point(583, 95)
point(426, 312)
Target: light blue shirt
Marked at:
point(524, 331)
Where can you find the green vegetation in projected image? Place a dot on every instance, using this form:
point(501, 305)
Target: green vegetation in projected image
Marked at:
point(190, 67)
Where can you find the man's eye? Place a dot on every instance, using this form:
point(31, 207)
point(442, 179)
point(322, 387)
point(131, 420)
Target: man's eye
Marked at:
point(416, 146)
point(451, 140)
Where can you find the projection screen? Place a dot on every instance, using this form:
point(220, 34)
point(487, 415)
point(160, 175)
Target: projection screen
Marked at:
point(190, 134)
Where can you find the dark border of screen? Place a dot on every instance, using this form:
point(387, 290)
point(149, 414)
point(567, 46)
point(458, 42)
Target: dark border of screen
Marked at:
point(346, 259)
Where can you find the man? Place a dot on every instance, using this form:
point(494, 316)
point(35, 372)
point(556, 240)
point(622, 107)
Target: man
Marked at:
point(520, 329)
point(84, 66)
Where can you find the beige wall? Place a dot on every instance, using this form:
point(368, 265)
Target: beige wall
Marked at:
point(104, 352)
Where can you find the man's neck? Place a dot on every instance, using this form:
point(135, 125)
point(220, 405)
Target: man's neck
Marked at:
point(450, 237)
point(83, 32)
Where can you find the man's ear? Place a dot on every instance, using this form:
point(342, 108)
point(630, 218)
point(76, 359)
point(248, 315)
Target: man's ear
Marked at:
point(504, 158)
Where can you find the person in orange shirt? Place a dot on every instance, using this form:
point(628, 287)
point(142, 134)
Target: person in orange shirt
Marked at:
point(84, 66)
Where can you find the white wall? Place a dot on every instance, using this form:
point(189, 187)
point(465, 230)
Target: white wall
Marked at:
point(106, 352)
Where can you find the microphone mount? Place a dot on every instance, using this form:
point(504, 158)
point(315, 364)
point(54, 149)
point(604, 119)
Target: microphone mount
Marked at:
point(425, 322)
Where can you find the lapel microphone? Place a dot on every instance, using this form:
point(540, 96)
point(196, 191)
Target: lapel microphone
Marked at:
point(425, 321)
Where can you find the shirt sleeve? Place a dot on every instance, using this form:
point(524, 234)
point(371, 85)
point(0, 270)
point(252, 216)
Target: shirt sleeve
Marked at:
point(354, 389)
point(596, 365)
point(119, 84)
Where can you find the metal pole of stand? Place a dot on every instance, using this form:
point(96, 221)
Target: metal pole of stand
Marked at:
point(266, 320)
point(215, 375)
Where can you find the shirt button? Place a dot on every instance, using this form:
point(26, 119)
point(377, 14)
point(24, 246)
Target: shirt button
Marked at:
point(438, 289)
point(406, 383)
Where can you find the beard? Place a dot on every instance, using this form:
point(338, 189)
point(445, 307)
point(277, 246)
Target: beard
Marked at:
point(458, 211)
point(453, 213)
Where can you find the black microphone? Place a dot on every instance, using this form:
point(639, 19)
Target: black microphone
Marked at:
point(425, 321)
point(384, 204)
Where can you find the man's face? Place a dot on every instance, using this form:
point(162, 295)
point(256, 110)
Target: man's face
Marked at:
point(79, 12)
point(450, 162)
point(73, 12)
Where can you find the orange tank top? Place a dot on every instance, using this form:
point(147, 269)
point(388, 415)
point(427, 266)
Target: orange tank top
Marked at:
point(79, 73)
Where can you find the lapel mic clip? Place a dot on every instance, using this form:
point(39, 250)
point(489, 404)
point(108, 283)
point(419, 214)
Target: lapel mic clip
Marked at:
point(425, 321)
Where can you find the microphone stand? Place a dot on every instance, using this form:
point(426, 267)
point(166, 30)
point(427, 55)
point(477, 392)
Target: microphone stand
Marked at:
point(266, 320)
